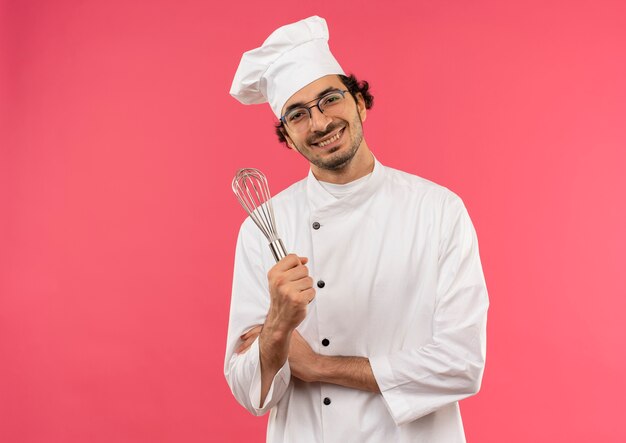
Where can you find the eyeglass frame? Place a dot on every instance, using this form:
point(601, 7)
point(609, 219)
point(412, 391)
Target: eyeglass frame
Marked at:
point(283, 119)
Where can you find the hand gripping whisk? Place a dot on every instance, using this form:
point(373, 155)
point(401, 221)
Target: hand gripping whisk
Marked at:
point(250, 187)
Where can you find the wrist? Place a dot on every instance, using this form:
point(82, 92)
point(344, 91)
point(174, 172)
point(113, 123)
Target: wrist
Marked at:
point(276, 328)
point(273, 348)
point(274, 335)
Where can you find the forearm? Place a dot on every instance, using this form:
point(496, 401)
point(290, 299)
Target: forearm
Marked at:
point(351, 372)
point(290, 293)
point(273, 353)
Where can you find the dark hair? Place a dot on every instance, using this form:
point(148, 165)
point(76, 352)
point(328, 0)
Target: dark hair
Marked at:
point(354, 87)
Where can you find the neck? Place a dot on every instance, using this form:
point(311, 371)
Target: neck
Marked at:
point(359, 166)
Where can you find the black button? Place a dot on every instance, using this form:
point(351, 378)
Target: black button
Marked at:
point(321, 284)
point(327, 401)
point(316, 225)
point(325, 342)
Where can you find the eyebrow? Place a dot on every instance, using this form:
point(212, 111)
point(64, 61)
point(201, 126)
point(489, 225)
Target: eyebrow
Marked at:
point(301, 104)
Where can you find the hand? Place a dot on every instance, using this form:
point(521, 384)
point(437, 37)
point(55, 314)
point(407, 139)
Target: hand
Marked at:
point(248, 338)
point(302, 359)
point(291, 290)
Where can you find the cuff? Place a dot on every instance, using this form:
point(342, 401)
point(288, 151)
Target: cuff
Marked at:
point(393, 397)
point(277, 388)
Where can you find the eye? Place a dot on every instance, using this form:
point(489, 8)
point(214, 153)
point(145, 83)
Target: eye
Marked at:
point(332, 99)
point(296, 115)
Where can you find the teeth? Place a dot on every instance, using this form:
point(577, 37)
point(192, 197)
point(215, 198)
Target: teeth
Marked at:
point(330, 140)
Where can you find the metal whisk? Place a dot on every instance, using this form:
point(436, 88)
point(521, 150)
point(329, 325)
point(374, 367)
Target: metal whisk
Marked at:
point(250, 187)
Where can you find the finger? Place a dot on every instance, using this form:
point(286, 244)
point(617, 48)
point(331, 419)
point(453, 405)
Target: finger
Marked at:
point(254, 330)
point(308, 295)
point(287, 262)
point(297, 273)
point(245, 345)
point(302, 284)
point(303, 260)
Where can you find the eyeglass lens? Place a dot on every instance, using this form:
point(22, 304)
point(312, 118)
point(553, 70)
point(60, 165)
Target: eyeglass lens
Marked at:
point(298, 119)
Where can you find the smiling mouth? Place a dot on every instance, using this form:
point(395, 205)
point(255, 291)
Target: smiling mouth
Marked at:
point(330, 140)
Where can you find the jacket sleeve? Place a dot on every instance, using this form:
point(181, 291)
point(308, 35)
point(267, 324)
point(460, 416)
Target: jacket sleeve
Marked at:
point(249, 306)
point(416, 382)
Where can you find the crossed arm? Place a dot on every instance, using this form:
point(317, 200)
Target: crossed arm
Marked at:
point(291, 290)
point(414, 381)
point(308, 366)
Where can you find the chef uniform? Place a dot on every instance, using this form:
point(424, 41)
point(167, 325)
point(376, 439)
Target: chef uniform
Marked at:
point(398, 281)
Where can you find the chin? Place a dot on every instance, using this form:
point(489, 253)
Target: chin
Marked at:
point(336, 162)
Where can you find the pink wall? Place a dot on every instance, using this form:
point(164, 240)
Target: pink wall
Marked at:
point(117, 224)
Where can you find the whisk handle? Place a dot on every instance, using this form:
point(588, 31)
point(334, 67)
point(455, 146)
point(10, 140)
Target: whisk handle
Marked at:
point(278, 249)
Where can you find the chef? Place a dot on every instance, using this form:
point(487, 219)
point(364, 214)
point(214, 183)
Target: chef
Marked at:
point(374, 329)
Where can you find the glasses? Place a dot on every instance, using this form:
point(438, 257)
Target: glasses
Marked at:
point(299, 119)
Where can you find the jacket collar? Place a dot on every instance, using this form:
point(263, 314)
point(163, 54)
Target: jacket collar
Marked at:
point(321, 201)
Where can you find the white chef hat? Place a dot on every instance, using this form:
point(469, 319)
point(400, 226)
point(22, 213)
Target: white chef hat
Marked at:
point(292, 57)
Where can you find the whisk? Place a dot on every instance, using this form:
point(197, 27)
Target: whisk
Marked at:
point(250, 187)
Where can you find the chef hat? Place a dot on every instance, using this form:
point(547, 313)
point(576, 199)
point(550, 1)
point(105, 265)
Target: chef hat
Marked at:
point(292, 57)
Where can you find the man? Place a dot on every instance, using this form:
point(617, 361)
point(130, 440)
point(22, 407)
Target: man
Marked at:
point(376, 329)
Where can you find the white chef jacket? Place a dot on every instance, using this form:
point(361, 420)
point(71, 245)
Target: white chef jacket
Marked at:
point(402, 285)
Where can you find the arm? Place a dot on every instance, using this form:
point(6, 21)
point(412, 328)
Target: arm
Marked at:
point(291, 290)
point(305, 364)
point(351, 372)
point(448, 368)
point(273, 351)
point(259, 378)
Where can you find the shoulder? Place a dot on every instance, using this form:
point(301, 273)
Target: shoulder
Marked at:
point(445, 208)
point(294, 191)
point(415, 187)
point(290, 202)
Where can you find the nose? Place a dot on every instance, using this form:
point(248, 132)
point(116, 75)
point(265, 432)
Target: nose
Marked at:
point(319, 121)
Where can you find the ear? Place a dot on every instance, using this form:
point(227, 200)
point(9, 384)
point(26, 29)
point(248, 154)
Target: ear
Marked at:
point(360, 106)
point(290, 143)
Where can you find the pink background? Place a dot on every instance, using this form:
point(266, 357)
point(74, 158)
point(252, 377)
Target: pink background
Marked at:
point(117, 225)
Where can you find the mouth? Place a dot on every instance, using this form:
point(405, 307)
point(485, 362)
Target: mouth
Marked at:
point(330, 140)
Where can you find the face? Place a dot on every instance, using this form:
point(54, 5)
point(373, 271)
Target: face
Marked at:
point(331, 142)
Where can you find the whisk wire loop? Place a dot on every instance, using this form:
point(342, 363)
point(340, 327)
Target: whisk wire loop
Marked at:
point(251, 188)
